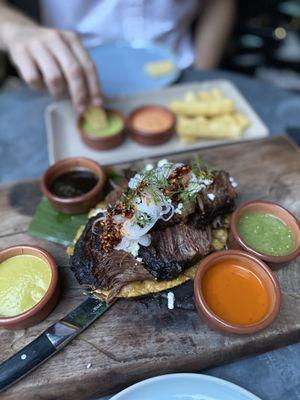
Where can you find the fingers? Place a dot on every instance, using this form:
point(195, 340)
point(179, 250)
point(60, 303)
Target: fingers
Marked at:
point(59, 59)
point(27, 67)
point(71, 68)
point(49, 68)
point(87, 66)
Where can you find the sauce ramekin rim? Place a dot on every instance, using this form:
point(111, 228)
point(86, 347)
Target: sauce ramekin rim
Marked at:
point(147, 134)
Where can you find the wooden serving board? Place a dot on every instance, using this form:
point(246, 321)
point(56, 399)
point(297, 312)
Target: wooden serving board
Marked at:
point(141, 338)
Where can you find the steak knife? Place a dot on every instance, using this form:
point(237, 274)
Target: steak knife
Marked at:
point(50, 341)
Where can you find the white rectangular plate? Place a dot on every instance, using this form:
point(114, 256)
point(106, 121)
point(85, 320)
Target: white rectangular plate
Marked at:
point(64, 139)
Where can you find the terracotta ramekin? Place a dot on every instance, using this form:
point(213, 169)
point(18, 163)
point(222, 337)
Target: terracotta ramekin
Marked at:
point(255, 265)
point(43, 308)
point(151, 138)
point(79, 204)
point(277, 210)
point(102, 143)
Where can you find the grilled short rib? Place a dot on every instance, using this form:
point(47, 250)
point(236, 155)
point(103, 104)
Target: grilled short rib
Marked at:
point(175, 245)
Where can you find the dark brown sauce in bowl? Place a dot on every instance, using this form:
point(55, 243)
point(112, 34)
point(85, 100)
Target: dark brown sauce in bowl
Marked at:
point(73, 183)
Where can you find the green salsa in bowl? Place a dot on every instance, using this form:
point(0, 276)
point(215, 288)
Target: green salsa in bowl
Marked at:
point(114, 124)
point(106, 136)
point(266, 230)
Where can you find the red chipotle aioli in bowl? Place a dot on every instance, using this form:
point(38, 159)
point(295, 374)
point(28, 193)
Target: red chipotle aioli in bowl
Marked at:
point(151, 125)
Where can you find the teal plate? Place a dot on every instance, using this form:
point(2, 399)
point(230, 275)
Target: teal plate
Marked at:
point(184, 387)
point(120, 66)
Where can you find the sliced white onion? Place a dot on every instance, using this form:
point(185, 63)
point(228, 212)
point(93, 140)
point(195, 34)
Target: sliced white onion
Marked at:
point(99, 219)
point(167, 212)
point(145, 240)
point(130, 246)
point(132, 230)
point(101, 211)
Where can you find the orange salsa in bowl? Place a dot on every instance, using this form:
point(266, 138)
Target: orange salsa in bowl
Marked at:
point(235, 292)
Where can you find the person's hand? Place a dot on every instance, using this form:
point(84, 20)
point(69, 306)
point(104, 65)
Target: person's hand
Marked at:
point(55, 59)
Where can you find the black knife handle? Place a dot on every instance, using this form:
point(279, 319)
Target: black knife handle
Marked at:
point(25, 361)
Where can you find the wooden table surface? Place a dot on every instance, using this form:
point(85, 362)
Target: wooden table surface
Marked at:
point(141, 338)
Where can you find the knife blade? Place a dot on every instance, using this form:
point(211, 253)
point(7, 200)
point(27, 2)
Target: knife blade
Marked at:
point(50, 341)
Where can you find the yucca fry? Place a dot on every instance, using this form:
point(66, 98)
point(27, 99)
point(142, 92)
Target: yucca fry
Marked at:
point(190, 96)
point(213, 134)
point(209, 108)
point(213, 94)
point(241, 120)
point(225, 126)
point(96, 117)
point(159, 68)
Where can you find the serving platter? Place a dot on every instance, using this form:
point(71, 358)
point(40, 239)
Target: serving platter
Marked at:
point(138, 339)
point(64, 139)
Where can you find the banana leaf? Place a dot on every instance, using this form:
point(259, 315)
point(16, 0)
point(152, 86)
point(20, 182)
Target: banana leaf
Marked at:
point(55, 226)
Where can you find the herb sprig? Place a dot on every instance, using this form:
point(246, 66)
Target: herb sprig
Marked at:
point(142, 219)
point(157, 183)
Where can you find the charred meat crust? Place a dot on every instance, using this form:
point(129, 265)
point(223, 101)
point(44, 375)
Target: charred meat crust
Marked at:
point(206, 208)
point(82, 262)
point(221, 202)
point(109, 270)
point(174, 249)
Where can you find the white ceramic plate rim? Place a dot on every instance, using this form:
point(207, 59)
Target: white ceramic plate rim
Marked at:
point(199, 377)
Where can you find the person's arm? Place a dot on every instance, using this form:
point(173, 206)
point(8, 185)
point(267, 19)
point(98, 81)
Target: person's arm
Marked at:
point(212, 32)
point(49, 57)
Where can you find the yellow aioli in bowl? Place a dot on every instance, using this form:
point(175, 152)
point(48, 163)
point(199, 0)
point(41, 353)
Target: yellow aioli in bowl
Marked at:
point(24, 280)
